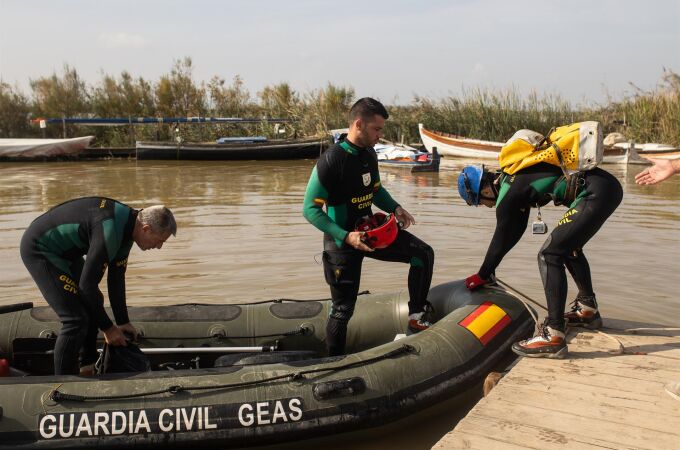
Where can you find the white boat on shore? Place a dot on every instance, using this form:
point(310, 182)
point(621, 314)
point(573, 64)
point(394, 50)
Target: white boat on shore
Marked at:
point(31, 149)
point(451, 145)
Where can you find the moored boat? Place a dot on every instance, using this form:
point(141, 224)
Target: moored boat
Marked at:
point(232, 150)
point(250, 399)
point(459, 146)
point(640, 152)
point(42, 149)
point(398, 155)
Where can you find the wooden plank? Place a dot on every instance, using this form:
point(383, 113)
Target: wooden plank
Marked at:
point(601, 428)
point(501, 434)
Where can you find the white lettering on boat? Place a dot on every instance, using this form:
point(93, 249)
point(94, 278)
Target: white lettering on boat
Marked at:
point(73, 425)
point(270, 412)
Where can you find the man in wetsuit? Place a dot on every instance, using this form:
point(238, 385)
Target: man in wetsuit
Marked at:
point(597, 196)
point(347, 181)
point(68, 249)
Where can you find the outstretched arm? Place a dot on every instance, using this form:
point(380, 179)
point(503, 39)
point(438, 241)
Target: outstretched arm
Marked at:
point(660, 170)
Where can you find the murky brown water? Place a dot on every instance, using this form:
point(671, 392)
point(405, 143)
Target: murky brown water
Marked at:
point(242, 237)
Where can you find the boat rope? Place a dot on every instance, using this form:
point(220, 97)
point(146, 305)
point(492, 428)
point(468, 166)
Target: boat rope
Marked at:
point(282, 300)
point(405, 349)
point(220, 337)
point(507, 286)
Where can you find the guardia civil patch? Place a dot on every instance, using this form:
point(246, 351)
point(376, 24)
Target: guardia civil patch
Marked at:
point(366, 178)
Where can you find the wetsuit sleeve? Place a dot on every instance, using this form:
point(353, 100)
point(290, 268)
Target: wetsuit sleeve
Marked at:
point(382, 199)
point(316, 196)
point(116, 286)
point(511, 221)
point(93, 272)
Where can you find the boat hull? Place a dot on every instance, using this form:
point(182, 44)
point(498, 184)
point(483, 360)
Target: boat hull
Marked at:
point(42, 149)
point(293, 149)
point(381, 381)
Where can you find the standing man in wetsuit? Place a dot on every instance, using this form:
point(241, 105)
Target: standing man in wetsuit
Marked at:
point(597, 197)
point(346, 180)
point(68, 249)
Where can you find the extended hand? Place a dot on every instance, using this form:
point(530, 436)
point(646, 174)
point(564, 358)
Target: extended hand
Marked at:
point(355, 239)
point(661, 169)
point(404, 218)
point(114, 336)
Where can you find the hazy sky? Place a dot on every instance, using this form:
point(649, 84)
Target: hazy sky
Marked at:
point(390, 49)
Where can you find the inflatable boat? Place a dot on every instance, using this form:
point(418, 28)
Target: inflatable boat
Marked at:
point(254, 374)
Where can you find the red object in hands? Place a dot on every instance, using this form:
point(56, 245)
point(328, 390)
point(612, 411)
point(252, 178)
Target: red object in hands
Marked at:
point(474, 281)
point(379, 230)
point(4, 367)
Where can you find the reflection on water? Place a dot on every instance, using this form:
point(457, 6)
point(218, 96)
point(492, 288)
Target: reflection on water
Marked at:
point(242, 237)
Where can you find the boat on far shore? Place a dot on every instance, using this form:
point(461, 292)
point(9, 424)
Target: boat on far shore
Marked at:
point(42, 149)
point(452, 145)
point(258, 148)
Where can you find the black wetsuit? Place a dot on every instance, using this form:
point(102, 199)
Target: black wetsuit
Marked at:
point(53, 247)
point(536, 185)
point(346, 179)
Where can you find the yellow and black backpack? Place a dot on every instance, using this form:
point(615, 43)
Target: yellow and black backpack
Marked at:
point(574, 148)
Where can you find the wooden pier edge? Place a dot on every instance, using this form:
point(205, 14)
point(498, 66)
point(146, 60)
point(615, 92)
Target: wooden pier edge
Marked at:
point(608, 393)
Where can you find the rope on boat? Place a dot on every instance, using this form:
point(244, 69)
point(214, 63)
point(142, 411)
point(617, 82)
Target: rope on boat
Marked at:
point(219, 336)
point(281, 300)
point(59, 396)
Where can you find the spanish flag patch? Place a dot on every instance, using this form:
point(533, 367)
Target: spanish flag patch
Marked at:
point(486, 321)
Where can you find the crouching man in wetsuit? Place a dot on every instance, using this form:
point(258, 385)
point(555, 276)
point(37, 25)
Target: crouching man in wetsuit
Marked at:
point(347, 181)
point(102, 231)
point(597, 196)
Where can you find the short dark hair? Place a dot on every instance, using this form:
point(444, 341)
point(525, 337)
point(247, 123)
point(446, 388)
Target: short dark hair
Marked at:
point(365, 108)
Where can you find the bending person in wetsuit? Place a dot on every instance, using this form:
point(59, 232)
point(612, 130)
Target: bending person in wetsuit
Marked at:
point(347, 181)
point(598, 195)
point(68, 249)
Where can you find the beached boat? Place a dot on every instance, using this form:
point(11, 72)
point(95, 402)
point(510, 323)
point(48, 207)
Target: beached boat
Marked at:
point(284, 392)
point(399, 155)
point(457, 146)
point(250, 149)
point(42, 149)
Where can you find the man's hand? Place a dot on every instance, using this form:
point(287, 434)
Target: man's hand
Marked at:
point(114, 336)
point(404, 218)
point(355, 239)
point(129, 329)
point(661, 169)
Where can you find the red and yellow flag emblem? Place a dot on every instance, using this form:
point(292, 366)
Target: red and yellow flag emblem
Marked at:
point(486, 321)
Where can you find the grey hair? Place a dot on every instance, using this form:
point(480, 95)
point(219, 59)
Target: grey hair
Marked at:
point(159, 218)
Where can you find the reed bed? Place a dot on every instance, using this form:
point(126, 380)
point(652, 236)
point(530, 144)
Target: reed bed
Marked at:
point(645, 116)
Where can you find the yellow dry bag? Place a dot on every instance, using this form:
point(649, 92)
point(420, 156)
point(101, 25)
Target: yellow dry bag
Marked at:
point(574, 148)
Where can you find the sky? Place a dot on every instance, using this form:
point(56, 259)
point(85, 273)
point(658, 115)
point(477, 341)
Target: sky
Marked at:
point(582, 50)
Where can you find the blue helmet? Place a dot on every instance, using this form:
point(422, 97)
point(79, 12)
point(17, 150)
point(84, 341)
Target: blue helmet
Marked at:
point(469, 184)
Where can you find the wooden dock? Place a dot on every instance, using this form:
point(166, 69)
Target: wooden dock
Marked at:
point(609, 393)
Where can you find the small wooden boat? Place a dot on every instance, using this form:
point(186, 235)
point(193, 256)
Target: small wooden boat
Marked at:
point(279, 391)
point(640, 152)
point(232, 150)
point(458, 146)
point(42, 149)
